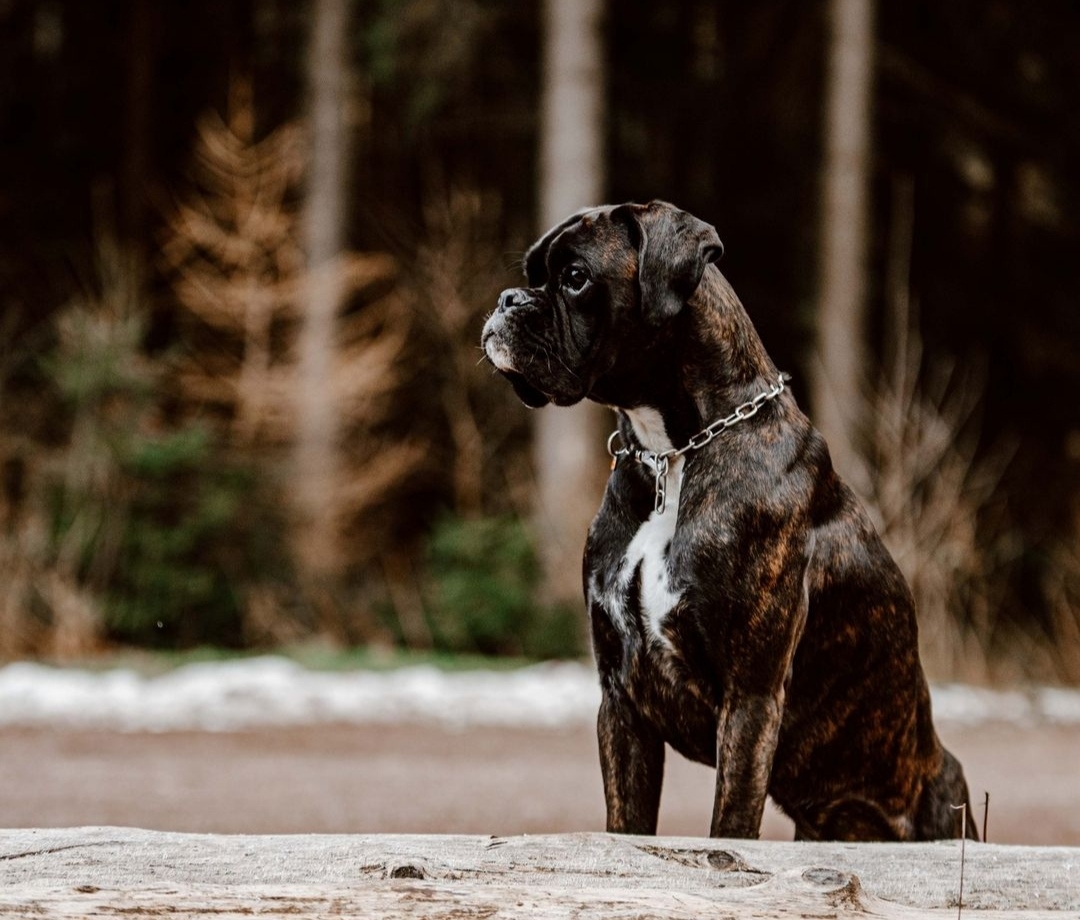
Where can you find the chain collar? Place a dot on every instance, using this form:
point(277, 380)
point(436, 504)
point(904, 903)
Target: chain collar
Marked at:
point(659, 462)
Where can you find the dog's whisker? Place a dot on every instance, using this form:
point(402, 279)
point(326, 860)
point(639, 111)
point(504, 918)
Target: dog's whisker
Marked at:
point(567, 368)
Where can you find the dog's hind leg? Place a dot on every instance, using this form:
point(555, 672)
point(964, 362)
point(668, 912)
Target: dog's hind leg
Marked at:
point(939, 816)
point(857, 819)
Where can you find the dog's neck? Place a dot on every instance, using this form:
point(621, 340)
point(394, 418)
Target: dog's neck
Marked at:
point(720, 364)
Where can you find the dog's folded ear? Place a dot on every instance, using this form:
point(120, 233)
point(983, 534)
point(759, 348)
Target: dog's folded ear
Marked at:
point(674, 248)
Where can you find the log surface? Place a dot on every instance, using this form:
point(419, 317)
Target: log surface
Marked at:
point(79, 872)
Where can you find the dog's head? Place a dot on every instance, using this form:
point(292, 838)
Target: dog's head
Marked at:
point(603, 286)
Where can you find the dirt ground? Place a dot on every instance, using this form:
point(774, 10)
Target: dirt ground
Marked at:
point(427, 780)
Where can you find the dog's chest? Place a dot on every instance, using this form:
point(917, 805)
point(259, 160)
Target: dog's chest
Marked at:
point(638, 585)
point(639, 592)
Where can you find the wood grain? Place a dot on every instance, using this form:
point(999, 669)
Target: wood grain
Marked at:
point(79, 872)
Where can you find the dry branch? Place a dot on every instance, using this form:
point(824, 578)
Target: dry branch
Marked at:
point(921, 479)
point(249, 294)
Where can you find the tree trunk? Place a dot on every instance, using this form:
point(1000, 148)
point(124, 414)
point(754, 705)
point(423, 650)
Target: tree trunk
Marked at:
point(839, 374)
point(315, 469)
point(568, 450)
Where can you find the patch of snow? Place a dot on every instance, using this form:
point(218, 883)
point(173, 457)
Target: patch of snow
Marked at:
point(967, 705)
point(274, 691)
point(975, 705)
point(267, 691)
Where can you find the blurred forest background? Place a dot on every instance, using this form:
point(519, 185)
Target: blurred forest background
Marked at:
point(247, 246)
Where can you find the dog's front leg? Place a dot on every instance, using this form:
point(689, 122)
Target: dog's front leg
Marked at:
point(750, 712)
point(747, 730)
point(632, 763)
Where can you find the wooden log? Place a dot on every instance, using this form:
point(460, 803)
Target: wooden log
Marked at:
point(79, 872)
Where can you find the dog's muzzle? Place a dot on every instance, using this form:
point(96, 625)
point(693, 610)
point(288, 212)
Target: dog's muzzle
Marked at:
point(514, 297)
point(497, 336)
point(497, 342)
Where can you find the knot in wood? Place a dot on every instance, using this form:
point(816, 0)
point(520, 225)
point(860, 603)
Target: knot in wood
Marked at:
point(406, 870)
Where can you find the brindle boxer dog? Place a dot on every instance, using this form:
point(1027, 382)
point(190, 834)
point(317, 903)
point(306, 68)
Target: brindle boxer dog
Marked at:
point(743, 608)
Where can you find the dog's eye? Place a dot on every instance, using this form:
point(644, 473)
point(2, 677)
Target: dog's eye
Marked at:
point(575, 279)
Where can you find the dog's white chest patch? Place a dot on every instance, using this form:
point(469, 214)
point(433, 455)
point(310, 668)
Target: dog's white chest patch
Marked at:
point(649, 550)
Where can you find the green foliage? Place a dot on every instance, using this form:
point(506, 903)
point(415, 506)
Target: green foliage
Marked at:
point(98, 356)
point(427, 50)
point(483, 580)
point(178, 559)
point(147, 516)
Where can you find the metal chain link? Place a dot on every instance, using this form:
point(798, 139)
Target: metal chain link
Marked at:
point(660, 462)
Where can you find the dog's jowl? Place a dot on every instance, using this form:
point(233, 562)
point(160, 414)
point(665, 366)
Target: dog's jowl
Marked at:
point(744, 611)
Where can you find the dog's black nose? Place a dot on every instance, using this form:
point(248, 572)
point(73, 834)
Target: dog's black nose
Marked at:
point(513, 297)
